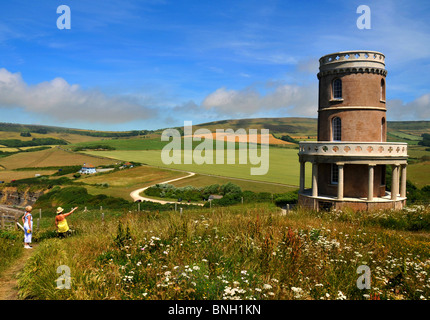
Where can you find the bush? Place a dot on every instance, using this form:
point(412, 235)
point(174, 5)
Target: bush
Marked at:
point(287, 198)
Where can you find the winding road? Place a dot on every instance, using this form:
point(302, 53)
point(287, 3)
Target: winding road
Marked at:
point(136, 193)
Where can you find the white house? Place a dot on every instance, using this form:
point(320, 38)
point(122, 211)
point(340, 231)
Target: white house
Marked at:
point(88, 169)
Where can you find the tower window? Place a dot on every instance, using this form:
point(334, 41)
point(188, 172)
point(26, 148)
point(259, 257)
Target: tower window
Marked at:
point(337, 89)
point(382, 89)
point(334, 174)
point(383, 130)
point(337, 129)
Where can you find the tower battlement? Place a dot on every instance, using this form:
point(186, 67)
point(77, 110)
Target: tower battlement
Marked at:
point(353, 61)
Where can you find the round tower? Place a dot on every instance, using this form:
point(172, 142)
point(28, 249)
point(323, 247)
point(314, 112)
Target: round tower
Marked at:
point(352, 96)
point(350, 157)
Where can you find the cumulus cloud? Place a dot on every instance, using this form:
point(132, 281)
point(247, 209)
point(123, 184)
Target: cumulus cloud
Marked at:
point(418, 109)
point(294, 99)
point(68, 102)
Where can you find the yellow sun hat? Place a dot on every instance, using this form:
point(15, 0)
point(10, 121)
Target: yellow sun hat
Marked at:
point(59, 210)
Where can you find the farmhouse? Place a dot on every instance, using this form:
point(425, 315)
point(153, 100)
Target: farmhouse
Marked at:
point(87, 169)
point(126, 165)
point(350, 158)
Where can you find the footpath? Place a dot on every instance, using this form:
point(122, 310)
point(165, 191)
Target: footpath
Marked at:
point(9, 278)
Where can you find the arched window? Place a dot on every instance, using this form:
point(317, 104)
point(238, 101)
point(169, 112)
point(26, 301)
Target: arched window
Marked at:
point(383, 130)
point(337, 129)
point(337, 89)
point(383, 89)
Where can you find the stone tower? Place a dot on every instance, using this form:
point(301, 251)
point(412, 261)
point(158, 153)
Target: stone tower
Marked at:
point(350, 157)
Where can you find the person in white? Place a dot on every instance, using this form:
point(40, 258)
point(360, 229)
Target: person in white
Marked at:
point(27, 221)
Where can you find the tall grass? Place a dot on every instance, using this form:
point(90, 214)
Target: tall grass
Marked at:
point(11, 247)
point(238, 252)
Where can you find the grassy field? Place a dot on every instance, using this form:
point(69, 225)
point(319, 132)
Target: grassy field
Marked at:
point(122, 182)
point(419, 173)
point(283, 165)
point(8, 175)
point(200, 180)
point(50, 158)
point(240, 252)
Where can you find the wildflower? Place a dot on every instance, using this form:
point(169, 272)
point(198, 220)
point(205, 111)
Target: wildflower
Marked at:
point(268, 286)
point(196, 268)
point(297, 292)
point(340, 296)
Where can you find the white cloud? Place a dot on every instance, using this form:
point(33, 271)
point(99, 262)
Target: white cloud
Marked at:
point(65, 102)
point(418, 109)
point(294, 99)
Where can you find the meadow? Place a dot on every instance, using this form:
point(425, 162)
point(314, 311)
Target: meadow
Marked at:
point(52, 157)
point(283, 165)
point(239, 252)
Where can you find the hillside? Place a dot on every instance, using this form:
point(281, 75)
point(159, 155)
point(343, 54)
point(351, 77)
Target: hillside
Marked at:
point(19, 161)
point(294, 126)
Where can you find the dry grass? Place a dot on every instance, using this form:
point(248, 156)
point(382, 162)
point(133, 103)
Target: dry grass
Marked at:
point(8, 175)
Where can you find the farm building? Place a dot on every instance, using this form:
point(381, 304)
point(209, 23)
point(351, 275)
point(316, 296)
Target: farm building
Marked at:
point(126, 165)
point(87, 169)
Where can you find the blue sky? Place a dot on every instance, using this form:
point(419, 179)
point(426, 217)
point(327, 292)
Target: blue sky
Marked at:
point(153, 64)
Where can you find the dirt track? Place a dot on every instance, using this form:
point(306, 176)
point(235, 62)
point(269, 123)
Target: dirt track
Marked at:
point(9, 281)
point(136, 193)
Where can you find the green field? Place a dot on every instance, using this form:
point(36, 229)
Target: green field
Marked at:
point(283, 165)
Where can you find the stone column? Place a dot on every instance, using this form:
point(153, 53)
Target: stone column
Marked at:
point(340, 181)
point(302, 176)
point(403, 181)
point(395, 182)
point(370, 182)
point(314, 179)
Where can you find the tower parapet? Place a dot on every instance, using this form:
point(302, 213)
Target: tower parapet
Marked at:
point(352, 61)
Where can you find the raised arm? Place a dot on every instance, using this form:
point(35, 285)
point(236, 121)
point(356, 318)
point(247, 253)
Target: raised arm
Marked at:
point(71, 211)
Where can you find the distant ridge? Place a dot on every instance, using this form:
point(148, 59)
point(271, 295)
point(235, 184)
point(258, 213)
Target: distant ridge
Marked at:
point(294, 126)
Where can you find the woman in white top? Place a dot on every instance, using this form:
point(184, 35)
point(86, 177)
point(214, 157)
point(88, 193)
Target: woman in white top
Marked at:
point(27, 220)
